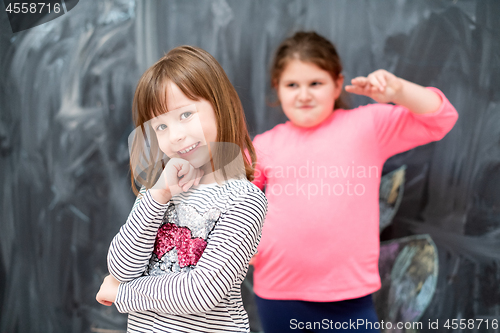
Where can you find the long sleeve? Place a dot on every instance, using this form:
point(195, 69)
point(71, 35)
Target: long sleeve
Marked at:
point(223, 264)
point(398, 129)
point(131, 248)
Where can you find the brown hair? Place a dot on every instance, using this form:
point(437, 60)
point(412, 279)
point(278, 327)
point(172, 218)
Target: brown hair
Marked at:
point(198, 75)
point(308, 47)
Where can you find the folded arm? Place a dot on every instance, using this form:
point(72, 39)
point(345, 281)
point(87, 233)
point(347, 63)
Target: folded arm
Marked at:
point(223, 263)
point(130, 250)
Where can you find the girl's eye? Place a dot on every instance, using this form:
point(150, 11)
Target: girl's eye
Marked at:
point(161, 127)
point(292, 85)
point(186, 115)
point(315, 83)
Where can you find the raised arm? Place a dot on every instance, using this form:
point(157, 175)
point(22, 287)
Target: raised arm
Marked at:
point(385, 87)
point(421, 115)
point(223, 264)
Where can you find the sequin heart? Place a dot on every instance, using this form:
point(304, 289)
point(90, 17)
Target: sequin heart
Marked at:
point(189, 250)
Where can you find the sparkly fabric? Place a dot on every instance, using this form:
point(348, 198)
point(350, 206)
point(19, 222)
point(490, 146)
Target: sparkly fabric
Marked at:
point(181, 239)
point(189, 250)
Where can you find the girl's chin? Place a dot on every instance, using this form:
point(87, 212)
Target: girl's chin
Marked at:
point(306, 123)
point(198, 161)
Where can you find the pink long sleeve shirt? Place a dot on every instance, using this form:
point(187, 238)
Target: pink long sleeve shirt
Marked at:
point(320, 240)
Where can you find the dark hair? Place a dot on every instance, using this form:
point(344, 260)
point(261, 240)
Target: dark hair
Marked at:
point(198, 75)
point(308, 47)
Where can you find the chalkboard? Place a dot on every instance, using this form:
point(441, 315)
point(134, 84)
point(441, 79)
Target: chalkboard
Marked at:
point(65, 114)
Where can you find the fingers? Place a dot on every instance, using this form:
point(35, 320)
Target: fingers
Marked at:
point(355, 90)
point(253, 259)
point(377, 81)
point(380, 85)
point(184, 169)
point(191, 178)
point(188, 174)
point(102, 300)
point(198, 177)
point(188, 185)
point(181, 175)
point(360, 85)
point(359, 81)
point(102, 296)
point(374, 81)
point(382, 79)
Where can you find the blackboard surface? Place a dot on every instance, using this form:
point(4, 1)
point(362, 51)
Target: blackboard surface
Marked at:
point(65, 97)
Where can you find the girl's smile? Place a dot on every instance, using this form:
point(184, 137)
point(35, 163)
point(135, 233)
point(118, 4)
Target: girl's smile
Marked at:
point(307, 93)
point(186, 151)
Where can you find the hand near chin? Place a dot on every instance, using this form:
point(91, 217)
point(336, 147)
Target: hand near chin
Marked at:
point(380, 85)
point(177, 176)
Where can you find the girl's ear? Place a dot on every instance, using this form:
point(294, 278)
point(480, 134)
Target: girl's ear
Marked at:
point(275, 85)
point(339, 82)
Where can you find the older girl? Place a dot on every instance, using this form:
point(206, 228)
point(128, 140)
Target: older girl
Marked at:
point(317, 264)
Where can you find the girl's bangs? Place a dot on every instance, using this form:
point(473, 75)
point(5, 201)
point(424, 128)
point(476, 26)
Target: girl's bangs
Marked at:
point(159, 95)
point(158, 104)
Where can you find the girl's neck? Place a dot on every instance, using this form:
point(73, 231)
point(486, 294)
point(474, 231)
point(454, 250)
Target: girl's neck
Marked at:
point(208, 178)
point(314, 127)
point(209, 175)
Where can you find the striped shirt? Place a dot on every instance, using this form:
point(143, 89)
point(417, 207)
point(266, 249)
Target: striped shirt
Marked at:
point(204, 296)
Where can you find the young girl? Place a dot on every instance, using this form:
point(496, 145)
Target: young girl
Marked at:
point(178, 262)
point(317, 263)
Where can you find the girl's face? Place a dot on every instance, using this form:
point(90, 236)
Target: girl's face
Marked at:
point(307, 93)
point(186, 130)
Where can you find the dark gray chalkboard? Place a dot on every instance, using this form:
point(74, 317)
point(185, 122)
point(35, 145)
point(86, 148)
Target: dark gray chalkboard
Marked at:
point(65, 98)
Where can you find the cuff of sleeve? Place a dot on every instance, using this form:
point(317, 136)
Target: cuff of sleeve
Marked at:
point(155, 206)
point(153, 210)
point(120, 299)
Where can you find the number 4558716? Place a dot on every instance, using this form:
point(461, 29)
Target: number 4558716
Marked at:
point(471, 323)
point(24, 7)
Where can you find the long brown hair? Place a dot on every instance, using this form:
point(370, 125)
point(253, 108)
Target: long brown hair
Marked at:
point(198, 75)
point(308, 47)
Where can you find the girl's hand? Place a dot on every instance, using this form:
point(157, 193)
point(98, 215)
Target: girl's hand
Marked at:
point(177, 176)
point(254, 259)
point(380, 85)
point(107, 292)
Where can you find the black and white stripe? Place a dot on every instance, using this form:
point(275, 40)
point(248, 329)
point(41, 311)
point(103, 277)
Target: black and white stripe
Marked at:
point(207, 298)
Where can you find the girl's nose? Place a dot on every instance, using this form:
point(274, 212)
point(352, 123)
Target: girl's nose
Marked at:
point(304, 94)
point(176, 135)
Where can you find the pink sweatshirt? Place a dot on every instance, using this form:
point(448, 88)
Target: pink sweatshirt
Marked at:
point(320, 240)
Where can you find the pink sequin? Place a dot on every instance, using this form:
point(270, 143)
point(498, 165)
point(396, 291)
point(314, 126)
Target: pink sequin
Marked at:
point(189, 250)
